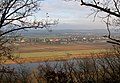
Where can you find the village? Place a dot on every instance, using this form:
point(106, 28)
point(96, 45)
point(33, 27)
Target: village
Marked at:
point(69, 39)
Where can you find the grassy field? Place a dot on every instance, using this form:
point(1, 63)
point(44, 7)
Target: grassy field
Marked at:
point(41, 53)
point(59, 53)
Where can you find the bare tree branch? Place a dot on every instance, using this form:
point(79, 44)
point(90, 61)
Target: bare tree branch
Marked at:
point(106, 7)
point(100, 8)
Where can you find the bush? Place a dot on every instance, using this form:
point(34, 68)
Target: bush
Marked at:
point(105, 67)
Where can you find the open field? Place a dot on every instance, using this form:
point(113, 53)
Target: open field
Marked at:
point(41, 53)
point(62, 47)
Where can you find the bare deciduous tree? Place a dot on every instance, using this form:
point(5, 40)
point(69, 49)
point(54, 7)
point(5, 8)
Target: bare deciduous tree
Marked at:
point(18, 15)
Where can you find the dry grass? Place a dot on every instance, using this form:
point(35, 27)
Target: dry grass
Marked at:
point(41, 53)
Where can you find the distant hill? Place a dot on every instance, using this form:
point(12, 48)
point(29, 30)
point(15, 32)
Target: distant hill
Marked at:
point(40, 32)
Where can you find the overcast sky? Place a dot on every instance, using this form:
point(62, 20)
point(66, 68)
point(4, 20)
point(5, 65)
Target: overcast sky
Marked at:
point(71, 15)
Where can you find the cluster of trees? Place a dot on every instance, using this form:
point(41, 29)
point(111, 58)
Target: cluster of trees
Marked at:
point(85, 70)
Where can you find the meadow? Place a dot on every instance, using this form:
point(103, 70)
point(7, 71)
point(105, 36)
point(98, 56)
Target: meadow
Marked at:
point(43, 53)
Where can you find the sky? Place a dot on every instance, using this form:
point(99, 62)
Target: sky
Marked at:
point(71, 15)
